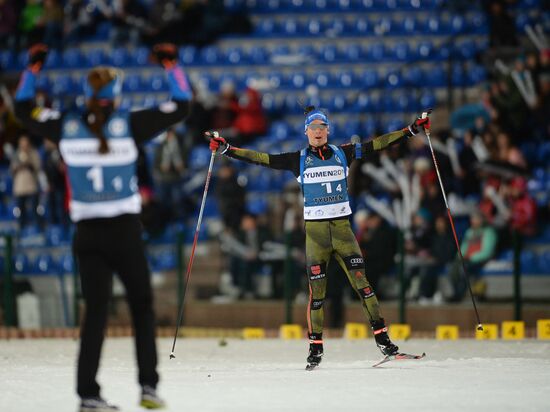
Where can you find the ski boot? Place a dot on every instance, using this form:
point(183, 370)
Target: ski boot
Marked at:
point(380, 331)
point(150, 398)
point(315, 351)
point(96, 404)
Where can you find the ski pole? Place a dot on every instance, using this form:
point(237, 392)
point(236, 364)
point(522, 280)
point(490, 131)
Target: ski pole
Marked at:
point(190, 264)
point(451, 220)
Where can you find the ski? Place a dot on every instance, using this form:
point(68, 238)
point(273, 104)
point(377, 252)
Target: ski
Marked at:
point(398, 356)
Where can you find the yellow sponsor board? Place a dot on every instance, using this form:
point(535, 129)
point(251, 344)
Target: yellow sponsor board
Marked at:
point(400, 331)
point(291, 332)
point(446, 332)
point(355, 331)
point(489, 332)
point(253, 333)
point(513, 330)
point(543, 329)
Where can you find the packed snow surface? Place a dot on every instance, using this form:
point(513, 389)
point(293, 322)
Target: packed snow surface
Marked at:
point(269, 375)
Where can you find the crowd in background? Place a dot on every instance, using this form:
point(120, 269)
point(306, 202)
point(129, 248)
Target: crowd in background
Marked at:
point(482, 165)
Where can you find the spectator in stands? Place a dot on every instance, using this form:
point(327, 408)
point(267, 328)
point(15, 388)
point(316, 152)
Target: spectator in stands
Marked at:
point(153, 216)
point(29, 22)
point(509, 153)
point(244, 249)
point(469, 180)
point(79, 21)
point(378, 243)
point(99, 148)
point(25, 167)
point(223, 114)
point(441, 253)
point(8, 25)
point(523, 208)
point(54, 168)
point(231, 196)
point(168, 172)
point(478, 247)
point(52, 24)
point(417, 249)
point(129, 21)
point(502, 27)
point(250, 120)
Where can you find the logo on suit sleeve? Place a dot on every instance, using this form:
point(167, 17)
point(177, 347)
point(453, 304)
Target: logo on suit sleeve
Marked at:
point(117, 127)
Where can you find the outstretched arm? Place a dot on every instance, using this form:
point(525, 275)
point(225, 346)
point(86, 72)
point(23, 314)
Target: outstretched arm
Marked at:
point(388, 139)
point(148, 123)
point(282, 161)
point(41, 121)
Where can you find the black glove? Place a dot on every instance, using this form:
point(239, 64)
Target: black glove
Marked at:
point(165, 54)
point(37, 57)
point(217, 143)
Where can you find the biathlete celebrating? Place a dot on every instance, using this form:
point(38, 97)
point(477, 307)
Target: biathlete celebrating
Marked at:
point(322, 170)
point(99, 148)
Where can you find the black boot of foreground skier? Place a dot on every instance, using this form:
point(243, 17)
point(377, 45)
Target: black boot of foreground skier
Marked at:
point(315, 351)
point(96, 404)
point(380, 331)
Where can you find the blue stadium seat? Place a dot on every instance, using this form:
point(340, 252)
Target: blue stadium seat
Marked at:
point(140, 57)
point(53, 60)
point(298, 80)
point(433, 25)
point(280, 130)
point(353, 52)
point(477, 23)
point(21, 264)
point(329, 53)
point(466, 49)
point(363, 104)
point(427, 99)
point(43, 83)
point(63, 85)
point(346, 79)
point(267, 27)
point(199, 157)
point(369, 78)
point(258, 55)
point(369, 128)
point(336, 103)
point(55, 235)
point(211, 55)
point(157, 82)
point(188, 55)
point(73, 58)
point(475, 75)
point(362, 27)
point(236, 55)
point(457, 25)
point(458, 76)
point(322, 79)
point(425, 50)
point(336, 27)
point(44, 264)
point(394, 79)
point(529, 262)
point(256, 205)
point(442, 53)
point(97, 57)
point(120, 57)
point(435, 76)
point(292, 27)
point(376, 52)
point(166, 260)
point(413, 76)
point(315, 27)
point(401, 52)
point(132, 83)
point(7, 60)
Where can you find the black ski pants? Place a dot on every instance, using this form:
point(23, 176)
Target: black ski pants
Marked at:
point(102, 247)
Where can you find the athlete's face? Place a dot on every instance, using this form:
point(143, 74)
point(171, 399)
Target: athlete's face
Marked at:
point(317, 133)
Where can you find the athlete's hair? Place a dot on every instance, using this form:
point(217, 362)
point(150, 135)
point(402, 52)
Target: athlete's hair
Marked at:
point(99, 77)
